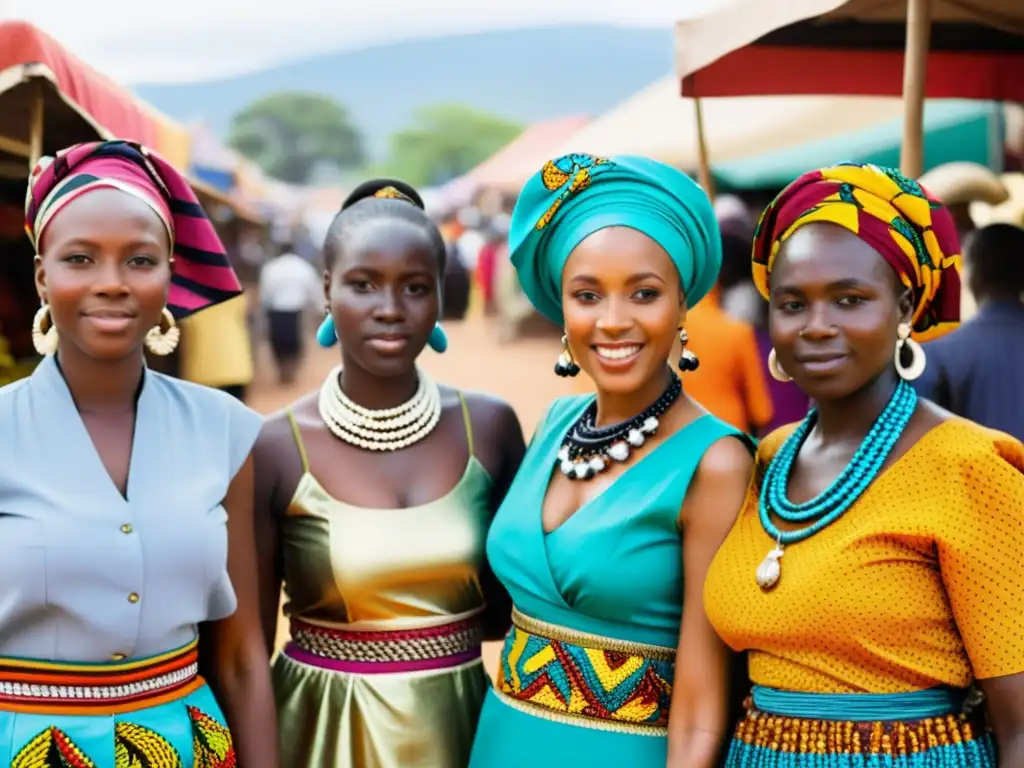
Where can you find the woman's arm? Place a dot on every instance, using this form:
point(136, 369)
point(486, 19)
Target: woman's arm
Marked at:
point(509, 435)
point(266, 513)
point(1005, 698)
point(697, 720)
point(233, 654)
point(979, 545)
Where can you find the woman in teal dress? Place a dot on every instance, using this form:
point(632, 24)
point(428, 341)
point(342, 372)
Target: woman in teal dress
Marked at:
point(602, 666)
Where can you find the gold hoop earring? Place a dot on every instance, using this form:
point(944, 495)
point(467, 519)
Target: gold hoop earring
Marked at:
point(44, 332)
point(687, 360)
point(566, 366)
point(162, 339)
point(775, 369)
point(906, 348)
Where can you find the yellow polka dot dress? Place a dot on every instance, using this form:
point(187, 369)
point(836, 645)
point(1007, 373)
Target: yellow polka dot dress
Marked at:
point(919, 585)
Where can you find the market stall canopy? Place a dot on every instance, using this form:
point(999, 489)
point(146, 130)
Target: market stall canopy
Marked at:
point(763, 47)
point(1011, 211)
point(209, 160)
point(760, 141)
point(510, 167)
point(658, 123)
point(962, 183)
point(79, 103)
point(955, 130)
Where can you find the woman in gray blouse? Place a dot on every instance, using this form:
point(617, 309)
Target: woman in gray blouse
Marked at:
point(126, 532)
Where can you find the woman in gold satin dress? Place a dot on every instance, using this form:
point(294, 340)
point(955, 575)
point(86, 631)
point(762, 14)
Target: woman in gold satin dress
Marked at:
point(374, 497)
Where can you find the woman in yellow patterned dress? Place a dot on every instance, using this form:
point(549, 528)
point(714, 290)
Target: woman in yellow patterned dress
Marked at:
point(874, 573)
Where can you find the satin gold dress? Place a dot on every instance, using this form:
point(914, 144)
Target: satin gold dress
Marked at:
point(383, 669)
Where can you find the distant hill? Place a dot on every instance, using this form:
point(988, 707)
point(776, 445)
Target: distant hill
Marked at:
point(526, 75)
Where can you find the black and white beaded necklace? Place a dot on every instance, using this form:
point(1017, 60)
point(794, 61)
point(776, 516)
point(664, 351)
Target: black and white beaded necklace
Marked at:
point(587, 450)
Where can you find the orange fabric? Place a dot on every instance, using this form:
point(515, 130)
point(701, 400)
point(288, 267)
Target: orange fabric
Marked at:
point(730, 381)
point(918, 585)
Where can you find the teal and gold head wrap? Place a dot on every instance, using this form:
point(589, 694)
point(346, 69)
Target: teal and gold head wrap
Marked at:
point(577, 195)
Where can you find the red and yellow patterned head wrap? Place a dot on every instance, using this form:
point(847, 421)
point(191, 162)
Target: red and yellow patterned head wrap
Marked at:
point(894, 215)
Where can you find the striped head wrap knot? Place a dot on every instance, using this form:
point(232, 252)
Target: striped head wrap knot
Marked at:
point(895, 215)
point(201, 275)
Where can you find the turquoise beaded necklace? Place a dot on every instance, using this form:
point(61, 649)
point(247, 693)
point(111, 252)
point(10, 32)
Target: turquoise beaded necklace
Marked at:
point(832, 503)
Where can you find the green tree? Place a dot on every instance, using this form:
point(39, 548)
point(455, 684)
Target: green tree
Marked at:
point(288, 134)
point(445, 141)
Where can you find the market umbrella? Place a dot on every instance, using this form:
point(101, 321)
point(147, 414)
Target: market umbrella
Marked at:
point(917, 48)
point(765, 141)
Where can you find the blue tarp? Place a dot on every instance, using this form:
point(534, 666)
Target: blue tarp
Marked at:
point(217, 178)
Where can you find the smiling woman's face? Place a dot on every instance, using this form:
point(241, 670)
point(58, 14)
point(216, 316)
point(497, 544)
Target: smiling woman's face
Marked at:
point(834, 311)
point(104, 268)
point(623, 307)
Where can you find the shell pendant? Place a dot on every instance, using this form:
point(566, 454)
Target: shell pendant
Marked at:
point(770, 570)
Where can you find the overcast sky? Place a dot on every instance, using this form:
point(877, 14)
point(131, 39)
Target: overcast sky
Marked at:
point(184, 40)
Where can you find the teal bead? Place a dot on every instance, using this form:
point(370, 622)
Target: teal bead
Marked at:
point(828, 506)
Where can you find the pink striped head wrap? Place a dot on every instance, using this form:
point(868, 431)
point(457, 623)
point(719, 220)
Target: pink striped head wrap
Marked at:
point(201, 275)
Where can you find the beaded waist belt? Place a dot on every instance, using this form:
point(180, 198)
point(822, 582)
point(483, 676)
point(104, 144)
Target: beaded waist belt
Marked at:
point(903, 729)
point(400, 650)
point(49, 687)
point(587, 680)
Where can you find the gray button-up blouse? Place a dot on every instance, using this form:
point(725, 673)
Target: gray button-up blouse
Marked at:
point(87, 576)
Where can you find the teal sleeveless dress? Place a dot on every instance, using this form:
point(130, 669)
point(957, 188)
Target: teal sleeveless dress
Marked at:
point(612, 571)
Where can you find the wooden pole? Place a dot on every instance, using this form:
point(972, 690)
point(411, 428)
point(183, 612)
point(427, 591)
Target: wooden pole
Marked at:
point(915, 79)
point(35, 136)
point(15, 147)
point(703, 162)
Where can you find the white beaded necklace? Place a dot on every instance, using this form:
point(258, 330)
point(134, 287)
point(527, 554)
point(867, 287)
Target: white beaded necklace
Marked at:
point(388, 429)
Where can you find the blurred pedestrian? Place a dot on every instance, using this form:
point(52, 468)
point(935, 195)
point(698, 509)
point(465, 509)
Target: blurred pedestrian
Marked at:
point(977, 371)
point(290, 287)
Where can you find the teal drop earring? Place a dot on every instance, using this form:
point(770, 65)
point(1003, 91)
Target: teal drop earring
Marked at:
point(326, 334)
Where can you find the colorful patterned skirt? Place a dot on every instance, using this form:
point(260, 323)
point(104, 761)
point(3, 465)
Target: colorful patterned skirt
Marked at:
point(145, 713)
point(565, 697)
point(406, 698)
point(923, 729)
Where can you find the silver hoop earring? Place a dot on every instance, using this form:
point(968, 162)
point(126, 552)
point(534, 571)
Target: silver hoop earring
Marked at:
point(775, 369)
point(906, 348)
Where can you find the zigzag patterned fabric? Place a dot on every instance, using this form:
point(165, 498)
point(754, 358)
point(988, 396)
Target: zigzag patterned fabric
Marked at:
point(617, 685)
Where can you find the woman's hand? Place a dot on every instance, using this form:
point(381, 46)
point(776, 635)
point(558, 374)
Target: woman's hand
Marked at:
point(697, 720)
point(233, 655)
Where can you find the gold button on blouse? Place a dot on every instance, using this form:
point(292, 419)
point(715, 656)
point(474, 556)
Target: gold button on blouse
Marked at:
point(118, 657)
point(126, 528)
point(133, 597)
